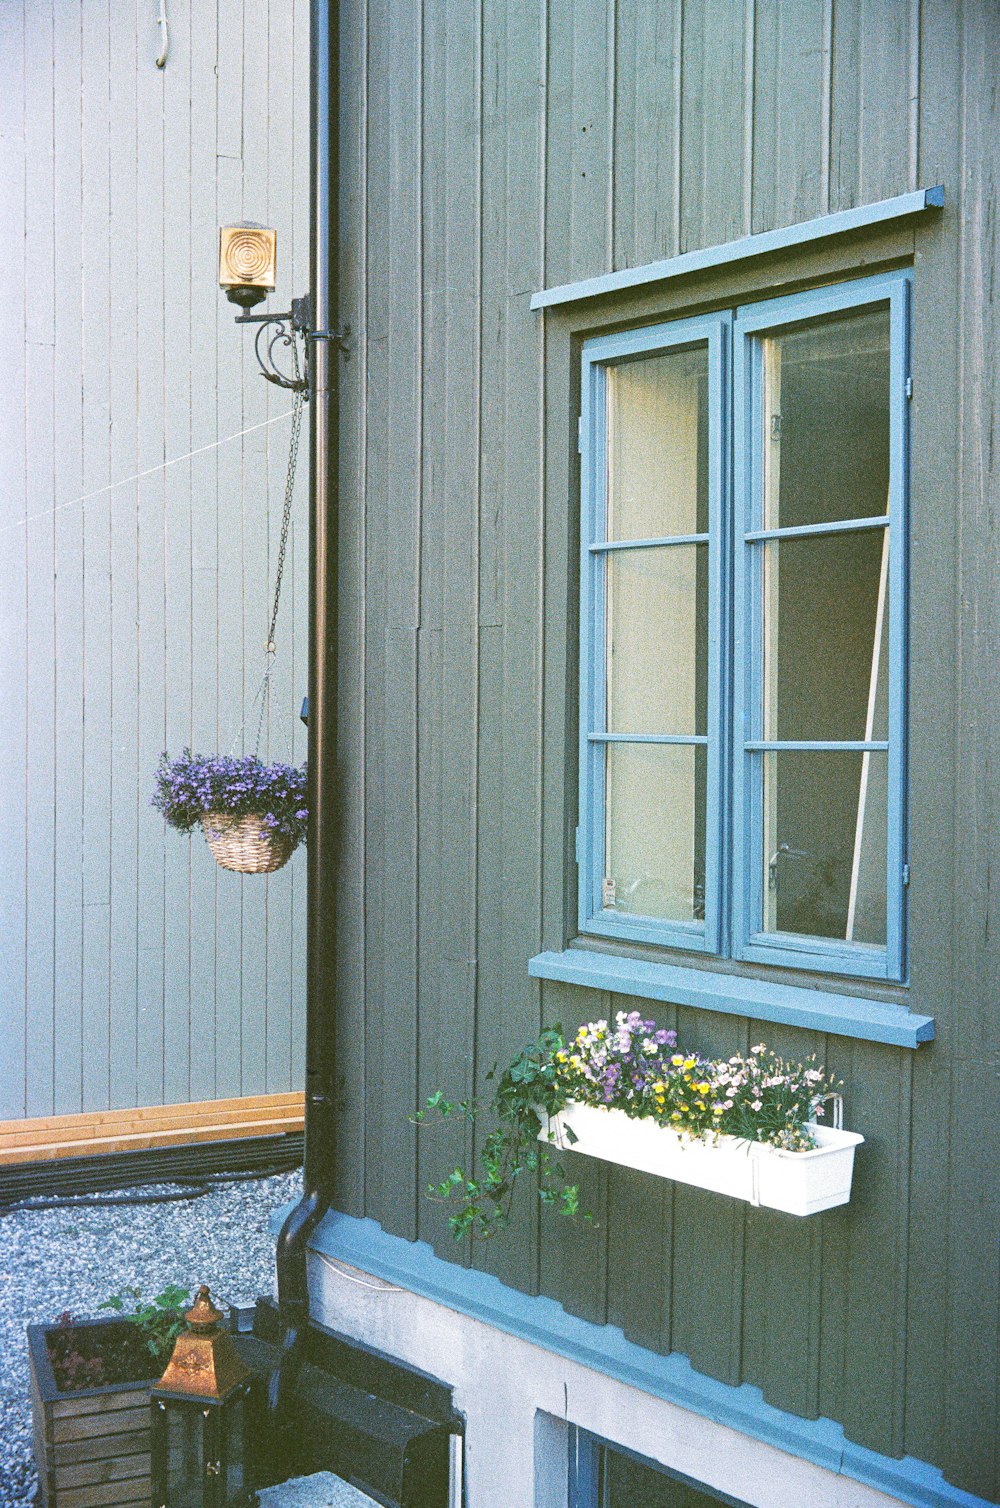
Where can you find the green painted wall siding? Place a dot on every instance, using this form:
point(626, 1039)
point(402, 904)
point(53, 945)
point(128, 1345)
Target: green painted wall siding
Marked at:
point(491, 150)
point(132, 970)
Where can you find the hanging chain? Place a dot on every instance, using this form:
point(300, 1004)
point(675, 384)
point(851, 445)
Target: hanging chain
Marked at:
point(264, 693)
point(293, 456)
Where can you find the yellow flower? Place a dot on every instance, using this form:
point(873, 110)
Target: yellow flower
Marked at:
point(677, 1060)
point(702, 1088)
point(689, 1062)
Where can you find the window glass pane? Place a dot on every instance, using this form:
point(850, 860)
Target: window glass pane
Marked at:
point(627, 1483)
point(657, 418)
point(826, 421)
point(825, 830)
point(655, 830)
point(657, 640)
point(185, 1452)
point(236, 1446)
point(826, 624)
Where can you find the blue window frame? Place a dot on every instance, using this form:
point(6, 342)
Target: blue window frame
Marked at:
point(743, 602)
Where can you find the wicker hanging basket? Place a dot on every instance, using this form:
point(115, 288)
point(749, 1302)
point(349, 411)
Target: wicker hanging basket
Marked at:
point(238, 843)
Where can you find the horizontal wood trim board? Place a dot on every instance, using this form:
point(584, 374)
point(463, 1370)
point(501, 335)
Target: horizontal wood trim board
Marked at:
point(131, 1422)
point(79, 1136)
point(757, 245)
point(107, 1131)
point(100, 1447)
point(190, 1111)
point(116, 1469)
point(735, 995)
point(110, 1495)
point(66, 1406)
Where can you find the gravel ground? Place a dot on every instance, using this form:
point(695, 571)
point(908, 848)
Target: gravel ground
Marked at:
point(73, 1259)
point(320, 1491)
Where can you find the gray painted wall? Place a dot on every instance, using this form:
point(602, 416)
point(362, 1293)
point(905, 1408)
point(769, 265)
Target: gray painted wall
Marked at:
point(492, 149)
point(132, 971)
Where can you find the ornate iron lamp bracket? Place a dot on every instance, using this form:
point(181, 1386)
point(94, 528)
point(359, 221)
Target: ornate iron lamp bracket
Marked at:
point(278, 330)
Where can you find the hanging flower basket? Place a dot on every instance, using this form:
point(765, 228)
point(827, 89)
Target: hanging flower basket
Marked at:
point(244, 845)
point(253, 814)
point(798, 1182)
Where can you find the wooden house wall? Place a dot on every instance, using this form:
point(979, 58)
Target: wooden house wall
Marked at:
point(491, 149)
point(132, 971)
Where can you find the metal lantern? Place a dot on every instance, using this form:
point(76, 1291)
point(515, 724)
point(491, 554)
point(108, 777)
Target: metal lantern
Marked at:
point(201, 1435)
point(247, 262)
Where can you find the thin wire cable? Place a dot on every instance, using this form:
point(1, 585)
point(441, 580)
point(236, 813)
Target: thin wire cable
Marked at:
point(335, 1266)
point(86, 497)
point(261, 703)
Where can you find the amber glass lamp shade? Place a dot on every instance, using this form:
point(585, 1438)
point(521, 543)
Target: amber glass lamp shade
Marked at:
point(200, 1435)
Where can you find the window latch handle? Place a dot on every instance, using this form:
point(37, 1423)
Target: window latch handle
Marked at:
point(783, 851)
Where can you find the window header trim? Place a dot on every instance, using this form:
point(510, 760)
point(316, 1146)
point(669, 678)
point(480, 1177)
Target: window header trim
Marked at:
point(760, 244)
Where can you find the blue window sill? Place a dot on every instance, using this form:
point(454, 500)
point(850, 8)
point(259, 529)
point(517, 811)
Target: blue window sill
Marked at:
point(791, 1005)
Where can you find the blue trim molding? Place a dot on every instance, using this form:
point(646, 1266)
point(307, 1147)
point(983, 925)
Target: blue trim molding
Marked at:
point(791, 1005)
point(757, 245)
point(604, 1349)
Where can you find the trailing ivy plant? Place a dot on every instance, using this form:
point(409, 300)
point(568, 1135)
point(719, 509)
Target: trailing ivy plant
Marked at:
point(483, 1197)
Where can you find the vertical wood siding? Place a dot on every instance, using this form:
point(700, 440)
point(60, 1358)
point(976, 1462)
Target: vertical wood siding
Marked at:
point(132, 971)
point(491, 149)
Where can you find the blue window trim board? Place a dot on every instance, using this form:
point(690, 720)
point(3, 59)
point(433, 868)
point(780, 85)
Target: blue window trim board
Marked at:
point(863, 217)
point(736, 540)
point(604, 1349)
point(818, 1010)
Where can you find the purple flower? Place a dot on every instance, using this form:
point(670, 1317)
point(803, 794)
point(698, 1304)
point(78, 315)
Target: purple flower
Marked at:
point(240, 785)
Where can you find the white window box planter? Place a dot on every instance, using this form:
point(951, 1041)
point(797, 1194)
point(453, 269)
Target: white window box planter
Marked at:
point(800, 1183)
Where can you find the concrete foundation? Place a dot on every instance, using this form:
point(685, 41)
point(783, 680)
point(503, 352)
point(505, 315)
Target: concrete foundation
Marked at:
point(519, 1401)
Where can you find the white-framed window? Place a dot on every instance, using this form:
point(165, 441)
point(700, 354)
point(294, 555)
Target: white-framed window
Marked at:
point(743, 634)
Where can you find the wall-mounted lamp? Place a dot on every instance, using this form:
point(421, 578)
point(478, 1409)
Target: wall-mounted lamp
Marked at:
point(248, 256)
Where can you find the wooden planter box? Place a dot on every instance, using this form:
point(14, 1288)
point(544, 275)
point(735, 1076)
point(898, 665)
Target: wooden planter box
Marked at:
point(800, 1183)
point(92, 1444)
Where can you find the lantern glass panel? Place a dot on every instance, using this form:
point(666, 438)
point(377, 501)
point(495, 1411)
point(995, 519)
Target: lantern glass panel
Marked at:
point(235, 1448)
point(185, 1456)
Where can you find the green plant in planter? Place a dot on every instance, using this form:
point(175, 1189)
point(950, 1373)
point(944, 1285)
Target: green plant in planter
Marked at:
point(159, 1320)
point(635, 1067)
point(484, 1197)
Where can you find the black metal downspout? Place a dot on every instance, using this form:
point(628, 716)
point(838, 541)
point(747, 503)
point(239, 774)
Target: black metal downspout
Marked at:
point(321, 915)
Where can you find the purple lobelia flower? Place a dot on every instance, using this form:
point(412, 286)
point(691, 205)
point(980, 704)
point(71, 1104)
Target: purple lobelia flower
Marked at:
point(239, 784)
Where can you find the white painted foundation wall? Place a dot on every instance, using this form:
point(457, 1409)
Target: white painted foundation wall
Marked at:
point(519, 1400)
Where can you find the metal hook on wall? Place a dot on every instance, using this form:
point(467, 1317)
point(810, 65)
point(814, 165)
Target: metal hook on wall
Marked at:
point(163, 24)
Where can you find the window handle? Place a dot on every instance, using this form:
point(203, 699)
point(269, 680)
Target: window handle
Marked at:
point(783, 851)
